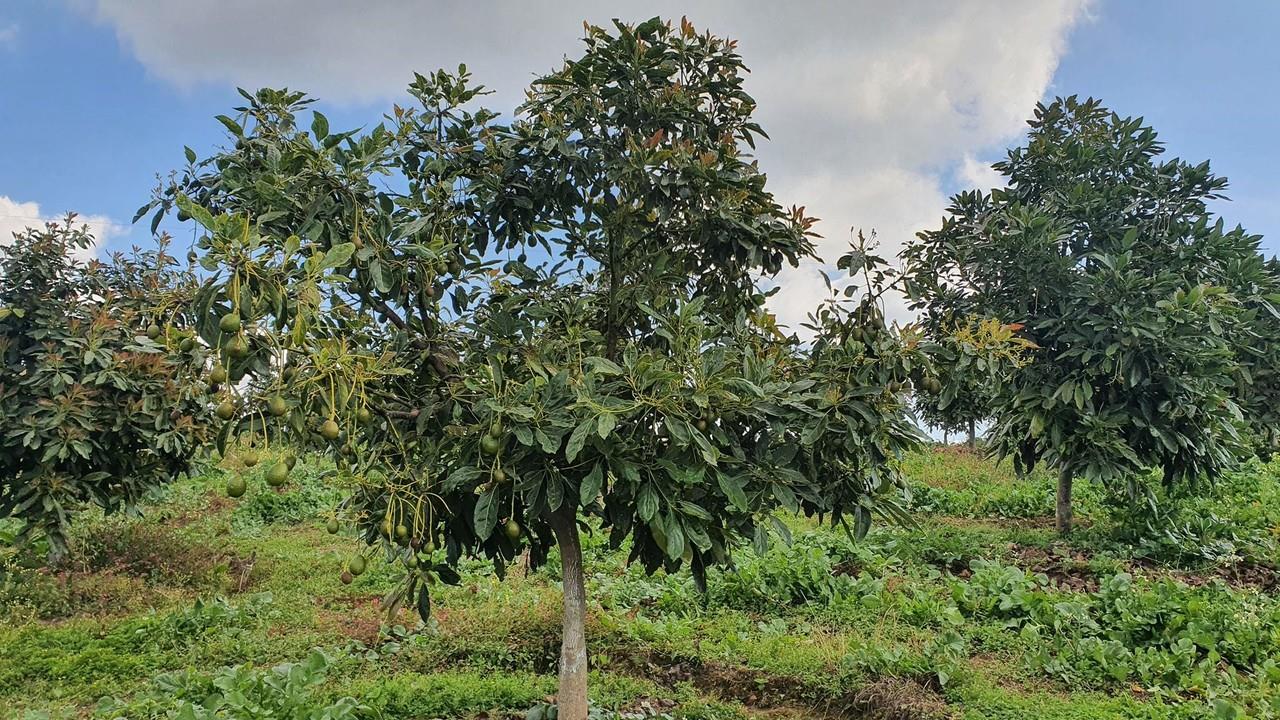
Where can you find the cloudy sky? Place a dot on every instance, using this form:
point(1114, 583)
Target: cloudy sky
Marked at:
point(877, 111)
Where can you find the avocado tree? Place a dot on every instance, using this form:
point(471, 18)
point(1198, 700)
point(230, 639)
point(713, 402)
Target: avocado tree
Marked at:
point(968, 391)
point(1122, 278)
point(969, 359)
point(98, 379)
point(540, 327)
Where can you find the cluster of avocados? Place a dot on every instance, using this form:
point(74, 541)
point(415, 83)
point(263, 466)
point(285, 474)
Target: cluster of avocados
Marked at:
point(491, 444)
point(276, 475)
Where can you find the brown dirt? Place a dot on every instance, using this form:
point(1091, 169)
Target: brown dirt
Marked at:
point(1248, 574)
point(764, 695)
point(102, 594)
point(359, 617)
point(958, 451)
point(216, 503)
point(897, 698)
point(1242, 575)
point(363, 627)
point(1067, 569)
point(158, 553)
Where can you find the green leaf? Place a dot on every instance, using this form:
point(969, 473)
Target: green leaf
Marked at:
point(424, 602)
point(555, 492)
point(591, 485)
point(547, 442)
point(461, 477)
point(196, 211)
point(523, 435)
point(320, 126)
point(675, 538)
point(647, 503)
point(603, 366)
point(578, 439)
point(732, 489)
point(381, 277)
point(486, 514)
point(678, 429)
point(760, 540)
point(338, 256)
point(232, 126)
point(605, 425)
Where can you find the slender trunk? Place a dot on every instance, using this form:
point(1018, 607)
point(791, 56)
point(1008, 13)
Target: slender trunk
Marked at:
point(1064, 501)
point(571, 701)
point(973, 436)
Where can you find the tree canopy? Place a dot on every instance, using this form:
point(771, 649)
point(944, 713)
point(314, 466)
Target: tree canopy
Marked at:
point(1126, 284)
point(534, 324)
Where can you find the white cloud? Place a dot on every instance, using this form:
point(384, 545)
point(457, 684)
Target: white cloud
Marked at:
point(870, 105)
point(16, 217)
point(974, 173)
point(890, 200)
point(8, 35)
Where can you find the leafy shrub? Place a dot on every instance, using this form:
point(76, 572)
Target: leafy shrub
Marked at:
point(944, 547)
point(1004, 592)
point(27, 594)
point(88, 658)
point(800, 573)
point(813, 570)
point(1232, 519)
point(1166, 635)
point(947, 481)
point(187, 626)
point(237, 693)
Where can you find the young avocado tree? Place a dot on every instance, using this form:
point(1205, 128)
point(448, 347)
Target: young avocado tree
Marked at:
point(99, 392)
point(969, 357)
point(963, 400)
point(1114, 264)
point(533, 326)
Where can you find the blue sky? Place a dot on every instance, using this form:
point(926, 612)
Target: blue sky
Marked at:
point(99, 97)
point(1206, 75)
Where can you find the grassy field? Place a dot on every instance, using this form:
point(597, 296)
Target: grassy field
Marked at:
point(207, 608)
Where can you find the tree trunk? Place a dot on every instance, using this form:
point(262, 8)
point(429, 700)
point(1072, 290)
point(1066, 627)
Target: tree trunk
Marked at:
point(1064, 502)
point(571, 701)
point(973, 436)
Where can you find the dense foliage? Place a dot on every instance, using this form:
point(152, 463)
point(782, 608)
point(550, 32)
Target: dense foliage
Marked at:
point(1124, 282)
point(482, 399)
point(98, 395)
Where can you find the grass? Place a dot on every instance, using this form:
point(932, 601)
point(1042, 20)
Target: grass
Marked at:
point(208, 608)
